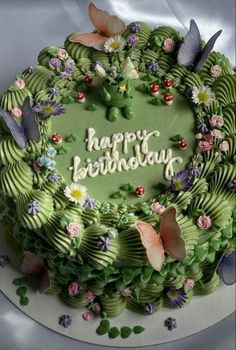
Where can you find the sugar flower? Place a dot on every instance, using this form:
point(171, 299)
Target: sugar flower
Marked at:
point(189, 283)
point(204, 222)
point(73, 289)
point(51, 152)
point(46, 109)
point(20, 84)
point(104, 243)
point(54, 63)
point(217, 133)
point(224, 146)
point(180, 182)
point(158, 208)
point(76, 193)
point(135, 27)
point(177, 297)
point(168, 45)
point(87, 315)
point(33, 208)
point(194, 170)
point(16, 112)
point(232, 185)
point(90, 203)
point(53, 177)
point(114, 44)
point(73, 229)
point(170, 323)
point(215, 71)
point(126, 292)
point(204, 145)
point(65, 321)
point(90, 296)
point(216, 121)
point(53, 93)
point(132, 39)
point(62, 54)
point(202, 95)
point(150, 308)
point(153, 65)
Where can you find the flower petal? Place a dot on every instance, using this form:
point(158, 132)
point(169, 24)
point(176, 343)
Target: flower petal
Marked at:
point(94, 40)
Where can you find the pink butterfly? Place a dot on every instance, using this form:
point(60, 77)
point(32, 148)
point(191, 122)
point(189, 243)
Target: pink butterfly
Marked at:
point(169, 240)
point(106, 25)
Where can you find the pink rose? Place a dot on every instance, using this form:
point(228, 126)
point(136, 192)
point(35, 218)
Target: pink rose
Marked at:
point(208, 137)
point(16, 112)
point(216, 120)
point(204, 222)
point(87, 315)
point(168, 45)
point(90, 296)
point(190, 283)
point(215, 71)
point(73, 289)
point(126, 292)
point(224, 146)
point(204, 145)
point(158, 208)
point(20, 84)
point(217, 133)
point(62, 54)
point(73, 229)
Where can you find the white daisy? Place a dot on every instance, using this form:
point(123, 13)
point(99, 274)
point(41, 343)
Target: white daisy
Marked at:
point(202, 95)
point(76, 193)
point(114, 44)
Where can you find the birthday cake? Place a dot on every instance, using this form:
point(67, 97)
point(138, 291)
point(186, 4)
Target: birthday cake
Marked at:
point(117, 167)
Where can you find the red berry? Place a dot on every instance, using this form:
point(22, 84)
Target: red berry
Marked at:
point(88, 79)
point(154, 89)
point(168, 83)
point(56, 138)
point(139, 191)
point(182, 144)
point(80, 96)
point(169, 98)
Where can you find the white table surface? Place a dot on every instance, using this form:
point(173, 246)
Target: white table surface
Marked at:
point(26, 26)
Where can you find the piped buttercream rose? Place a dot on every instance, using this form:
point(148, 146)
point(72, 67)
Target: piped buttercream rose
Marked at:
point(216, 120)
point(204, 222)
point(16, 112)
point(168, 45)
point(73, 229)
point(20, 84)
point(158, 208)
point(204, 145)
point(62, 54)
point(215, 71)
point(224, 146)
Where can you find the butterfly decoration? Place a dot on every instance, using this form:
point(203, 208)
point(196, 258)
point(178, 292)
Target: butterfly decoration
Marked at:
point(33, 264)
point(190, 52)
point(226, 268)
point(29, 128)
point(106, 25)
point(169, 240)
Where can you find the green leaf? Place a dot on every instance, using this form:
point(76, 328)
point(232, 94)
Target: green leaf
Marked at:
point(158, 40)
point(125, 332)
point(82, 87)
point(21, 291)
point(76, 242)
point(12, 88)
point(146, 209)
point(92, 107)
point(65, 220)
point(105, 323)
point(118, 195)
point(24, 300)
point(20, 77)
point(103, 314)
point(144, 87)
point(176, 138)
point(198, 212)
point(20, 281)
point(114, 332)
point(156, 101)
point(101, 330)
point(138, 329)
point(71, 138)
point(67, 100)
point(148, 77)
point(52, 52)
point(62, 150)
point(128, 187)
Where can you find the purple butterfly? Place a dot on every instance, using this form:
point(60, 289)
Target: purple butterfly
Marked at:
point(226, 268)
point(29, 128)
point(190, 52)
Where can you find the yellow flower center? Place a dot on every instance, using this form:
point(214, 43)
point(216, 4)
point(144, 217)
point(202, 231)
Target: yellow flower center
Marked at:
point(115, 45)
point(173, 293)
point(76, 193)
point(178, 184)
point(203, 96)
point(48, 110)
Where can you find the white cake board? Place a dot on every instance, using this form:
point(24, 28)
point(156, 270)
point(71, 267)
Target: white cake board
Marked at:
point(201, 313)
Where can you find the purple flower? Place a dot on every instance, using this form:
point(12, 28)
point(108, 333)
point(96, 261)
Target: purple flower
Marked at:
point(232, 185)
point(90, 203)
point(53, 177)
point(202, 128)
point(150, 308)
point(135, 27)
point(104, 243)
point(170, 323)
point(33, 207)
point(46, 109)
point(177, 297)
point(64, 75)
point(180, 182)
point(194, 170)
point(153, 66)
point(132, 39)
point(54, 62)
point(4, 260)
point(113, 71)
point(69, 63)
point(96, 308)
point(69, 70)
point(65, 321)
point(53, 93)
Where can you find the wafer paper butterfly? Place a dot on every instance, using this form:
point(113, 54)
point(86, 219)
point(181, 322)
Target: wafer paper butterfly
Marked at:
point(106, 25)
point(226, 268)
point(190, 52)
point(29, 128)
point(169, 240)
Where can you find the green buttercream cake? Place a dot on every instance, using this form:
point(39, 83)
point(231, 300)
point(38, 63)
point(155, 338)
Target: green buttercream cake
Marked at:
point(117, 168)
